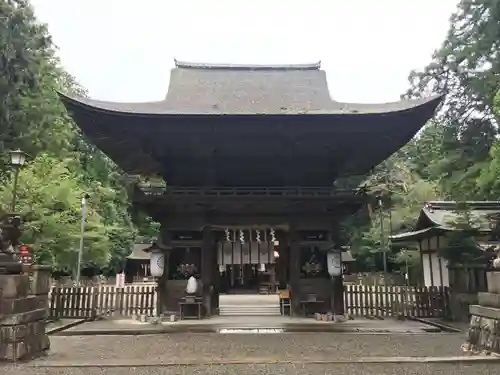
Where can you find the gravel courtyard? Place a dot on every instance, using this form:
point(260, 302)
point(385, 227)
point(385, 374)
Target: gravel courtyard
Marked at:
point(308, 346)
point(357, 369)
point(208, 348)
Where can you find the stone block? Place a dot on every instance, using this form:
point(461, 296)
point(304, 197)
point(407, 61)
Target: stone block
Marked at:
point(21, 332)
point(493, 279)
point(483, 335)
point(489, 299)
point(30, 347)
point(10, 306)
point(484, 311)
point(14, 286)
point(23, 318)
point(40, 280)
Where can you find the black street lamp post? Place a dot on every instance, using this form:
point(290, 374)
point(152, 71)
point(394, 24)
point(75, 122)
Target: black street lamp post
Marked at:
point(17, 160)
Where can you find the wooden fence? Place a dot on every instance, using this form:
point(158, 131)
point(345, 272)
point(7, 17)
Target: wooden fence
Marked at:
point(468, 279)
point(396, 301)
point(92, 302)
point(359, 300)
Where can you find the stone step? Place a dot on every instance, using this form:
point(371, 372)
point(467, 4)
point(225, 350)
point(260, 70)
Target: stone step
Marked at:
point(267, 306)
point(489, 299)
point(231, 308)
point(254, 310)
point(249, 313)
point(248, 299)
point(249, 305)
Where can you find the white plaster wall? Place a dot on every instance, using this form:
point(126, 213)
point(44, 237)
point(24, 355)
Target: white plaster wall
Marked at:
point(439, 269)
point(432, 243)
point(444, 270)
point(427, 270)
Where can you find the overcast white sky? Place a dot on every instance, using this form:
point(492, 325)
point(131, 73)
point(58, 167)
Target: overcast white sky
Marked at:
point(123, 50)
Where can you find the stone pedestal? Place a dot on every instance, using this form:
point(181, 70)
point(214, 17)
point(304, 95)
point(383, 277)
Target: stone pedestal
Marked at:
point(484, 328)
point(23, 314)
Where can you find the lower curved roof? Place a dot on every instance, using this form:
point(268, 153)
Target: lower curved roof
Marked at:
point(249, 125)
point(164, 107)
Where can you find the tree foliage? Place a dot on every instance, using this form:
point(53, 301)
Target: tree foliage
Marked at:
point(63, 166)
point(457, 155)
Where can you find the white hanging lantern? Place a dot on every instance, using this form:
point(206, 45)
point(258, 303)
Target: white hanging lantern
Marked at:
point(157, 263)
point(262, 267)
point(334, 260)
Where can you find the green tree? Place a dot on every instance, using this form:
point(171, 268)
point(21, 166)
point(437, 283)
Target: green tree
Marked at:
point(466, 69)
point(63, 165)
point(402, 192)
point(489, 179)
point(49, 198)
point(462, 247)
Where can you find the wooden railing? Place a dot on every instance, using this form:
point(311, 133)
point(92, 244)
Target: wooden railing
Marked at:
point(468, 279)
point(359, 300)
point(396, 301)
point(92, 302)
point(249, 191)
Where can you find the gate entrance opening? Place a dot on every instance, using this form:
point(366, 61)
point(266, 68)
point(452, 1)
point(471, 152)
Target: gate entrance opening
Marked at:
point(247, 267)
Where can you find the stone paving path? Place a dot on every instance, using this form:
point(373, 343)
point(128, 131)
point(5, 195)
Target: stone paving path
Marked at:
point(303, 324)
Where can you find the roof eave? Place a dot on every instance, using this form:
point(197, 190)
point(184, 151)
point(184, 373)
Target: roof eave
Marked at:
point(415, 236)
point(155, 109)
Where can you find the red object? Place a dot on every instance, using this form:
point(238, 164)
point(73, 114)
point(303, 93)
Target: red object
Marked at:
point(24, 254)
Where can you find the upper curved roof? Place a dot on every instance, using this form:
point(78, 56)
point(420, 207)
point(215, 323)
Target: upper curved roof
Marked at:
point(220, 89)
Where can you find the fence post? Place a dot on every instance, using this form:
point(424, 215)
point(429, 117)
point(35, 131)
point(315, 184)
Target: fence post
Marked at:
point(119, 293)
point(93, 303)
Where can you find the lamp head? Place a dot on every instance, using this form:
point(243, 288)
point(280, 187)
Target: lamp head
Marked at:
point(17, 158)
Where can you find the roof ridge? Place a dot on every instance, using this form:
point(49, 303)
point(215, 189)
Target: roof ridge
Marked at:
point(223, 66)
point(447, 205)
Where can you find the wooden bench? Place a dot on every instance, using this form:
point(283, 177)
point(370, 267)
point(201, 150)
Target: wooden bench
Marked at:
point(311, 300)
point(190, 301)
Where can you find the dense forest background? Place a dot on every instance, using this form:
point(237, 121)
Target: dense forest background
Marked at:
point(456, 156)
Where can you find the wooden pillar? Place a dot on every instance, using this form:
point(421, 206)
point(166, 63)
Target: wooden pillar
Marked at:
point(215, 277)
point(283, 260)
point(162, 297)
point(207, 268)
point(337, 290)
point(294, 258)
